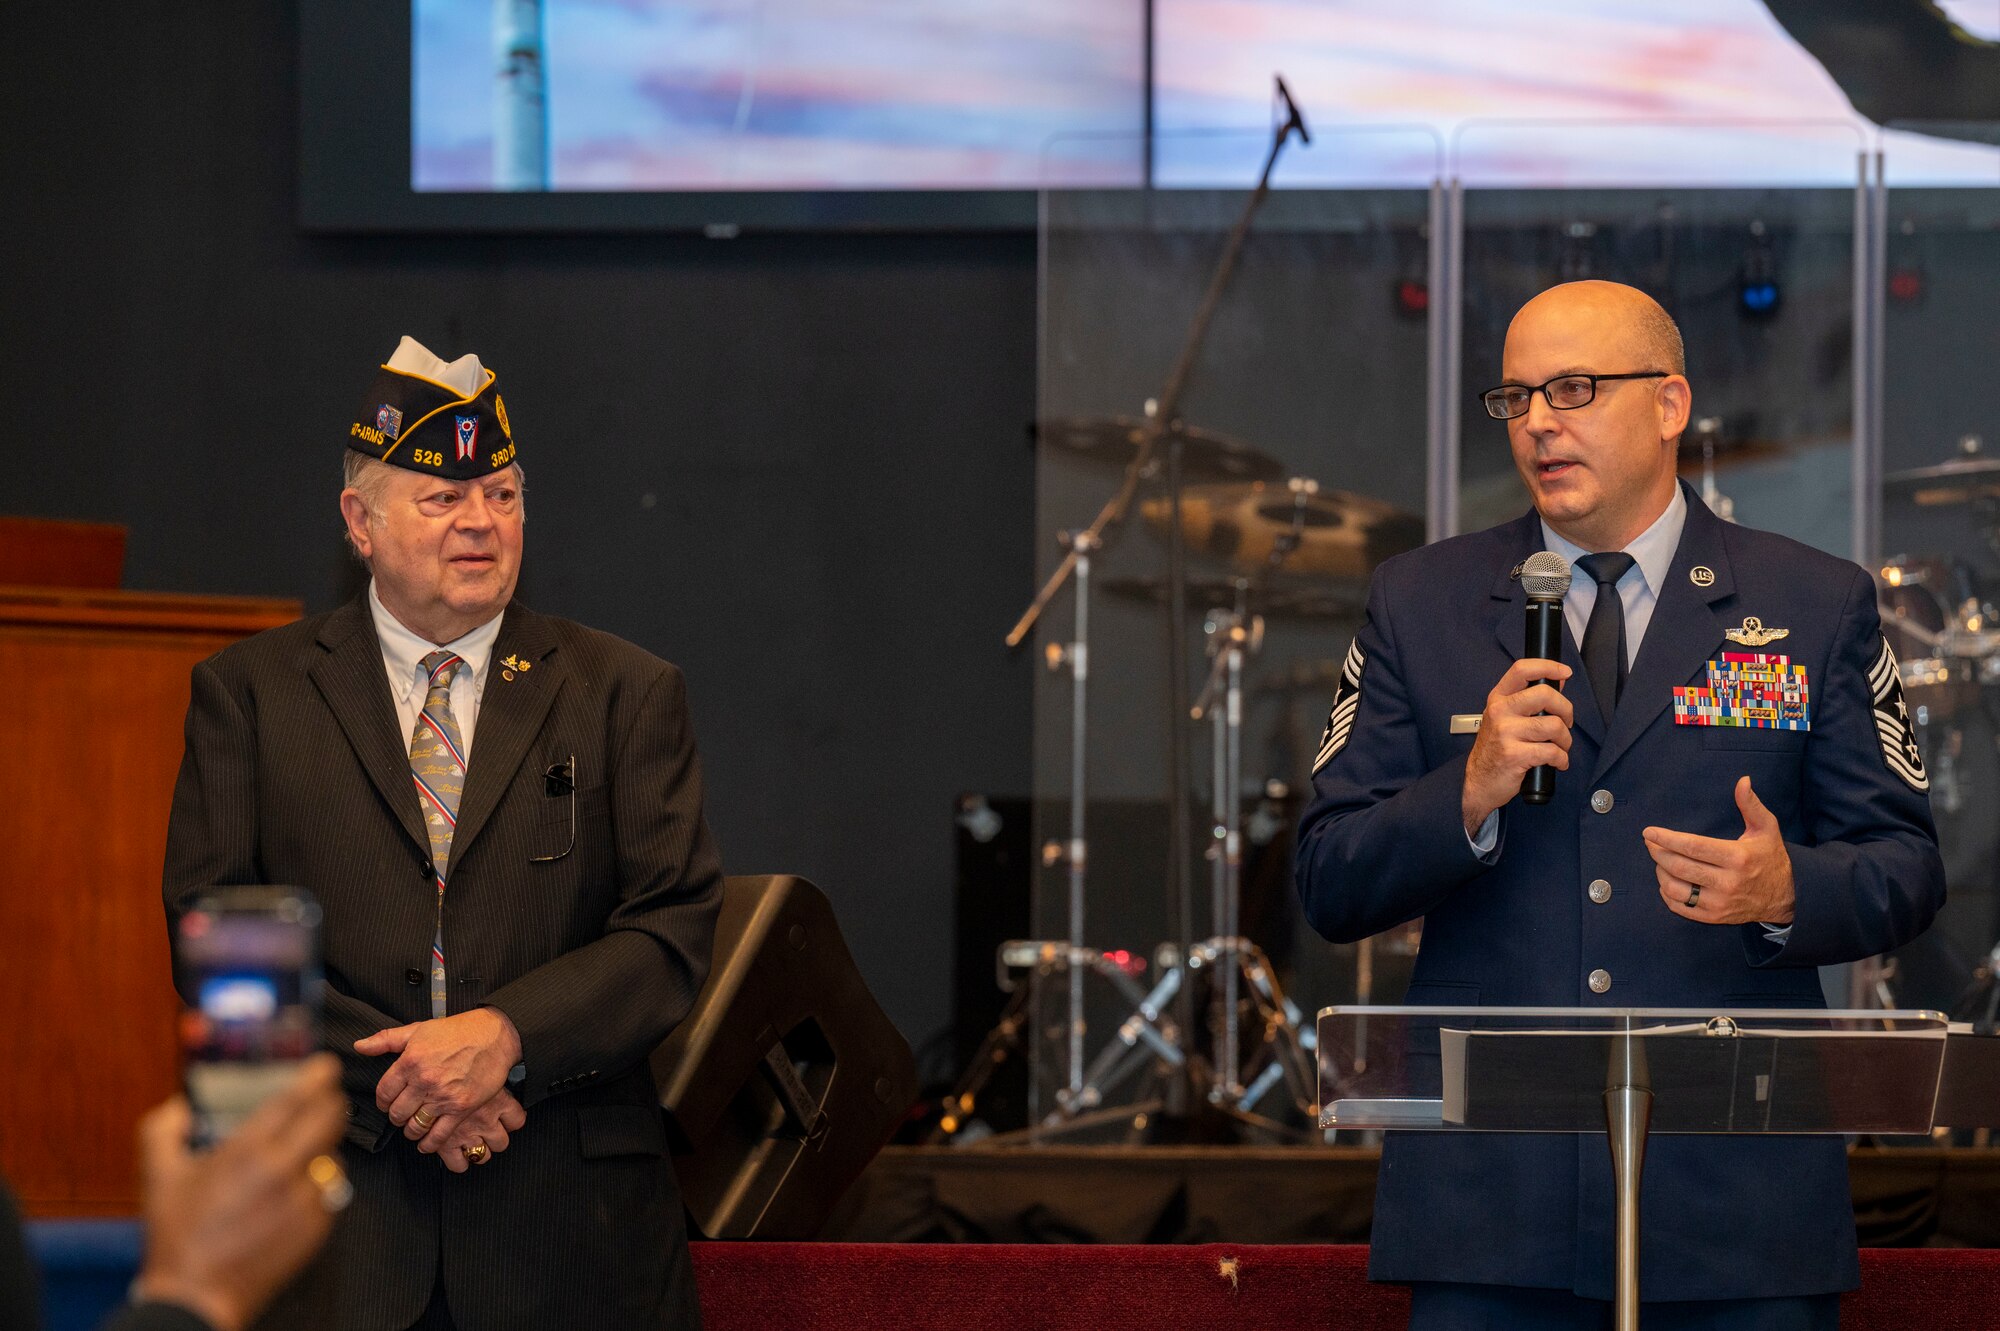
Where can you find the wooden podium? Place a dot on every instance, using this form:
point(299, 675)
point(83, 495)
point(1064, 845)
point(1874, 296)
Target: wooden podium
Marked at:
point(93, 692)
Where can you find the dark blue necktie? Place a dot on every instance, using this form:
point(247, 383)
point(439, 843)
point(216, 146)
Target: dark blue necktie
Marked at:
point(1604, 634)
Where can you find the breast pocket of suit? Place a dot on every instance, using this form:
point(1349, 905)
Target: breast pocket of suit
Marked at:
point(569, 830)
point(1774, 760)
point(1753, 739)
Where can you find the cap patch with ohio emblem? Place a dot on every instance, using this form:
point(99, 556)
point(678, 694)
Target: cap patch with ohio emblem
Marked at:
point(1346, 702)
point(441, 419)
point(1892, 722)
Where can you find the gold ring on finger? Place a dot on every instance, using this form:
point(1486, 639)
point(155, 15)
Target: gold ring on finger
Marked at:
point(423, 1119)
point(476, 1152)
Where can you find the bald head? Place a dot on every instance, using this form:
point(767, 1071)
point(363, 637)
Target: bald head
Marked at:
point(1600, 464)
point(1633, 321)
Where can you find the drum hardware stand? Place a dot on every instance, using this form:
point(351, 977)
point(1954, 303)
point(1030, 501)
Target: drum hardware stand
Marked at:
point(1233, 959)
point(1149, 1032)
point(1980, 1004)
point(1285, 1032)
point(1708, 430)
point(1161, 415)
point(1231, 636)
point(1148, 1029)
point(1042, 959)
point(1870, 983)
point(1076, 852)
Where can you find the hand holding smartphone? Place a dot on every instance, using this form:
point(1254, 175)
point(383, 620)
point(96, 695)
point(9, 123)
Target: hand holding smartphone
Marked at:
point(250, 961)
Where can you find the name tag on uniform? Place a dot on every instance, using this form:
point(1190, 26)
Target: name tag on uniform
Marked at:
point(1465, 723)
point(1750, 689)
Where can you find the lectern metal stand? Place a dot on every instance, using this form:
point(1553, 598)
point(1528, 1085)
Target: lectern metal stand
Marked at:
point(1629, 1072)
point(1628, 1112)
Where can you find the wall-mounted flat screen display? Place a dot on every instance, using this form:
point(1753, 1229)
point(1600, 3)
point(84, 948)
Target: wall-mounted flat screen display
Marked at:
point(1597, 93)
point(621, 114)
point(775, 94)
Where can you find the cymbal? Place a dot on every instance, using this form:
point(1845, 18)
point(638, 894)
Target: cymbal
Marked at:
point(1953, 482)
point(1319, 601)
point(1115, 441)
point(1339, 533)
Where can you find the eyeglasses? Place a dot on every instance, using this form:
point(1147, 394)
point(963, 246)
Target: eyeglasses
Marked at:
point(1565, 392)
point(558, 781)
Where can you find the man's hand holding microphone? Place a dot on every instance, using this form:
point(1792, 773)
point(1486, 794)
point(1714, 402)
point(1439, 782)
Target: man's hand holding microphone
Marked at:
point(1525, 725)
point(1524, 731)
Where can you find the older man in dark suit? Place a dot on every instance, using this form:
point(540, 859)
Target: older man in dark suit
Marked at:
point(501, 814)
point(1738, 800)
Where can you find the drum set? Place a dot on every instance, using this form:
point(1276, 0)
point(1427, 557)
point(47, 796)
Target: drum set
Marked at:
point(1939, 616)
point(1214, 1030)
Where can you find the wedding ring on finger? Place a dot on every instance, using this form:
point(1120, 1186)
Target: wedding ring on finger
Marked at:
point(335, 1192)
point(1694, 895)
point(423, 1118)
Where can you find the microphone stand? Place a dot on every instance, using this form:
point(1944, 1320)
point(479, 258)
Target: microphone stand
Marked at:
point(1160, 436)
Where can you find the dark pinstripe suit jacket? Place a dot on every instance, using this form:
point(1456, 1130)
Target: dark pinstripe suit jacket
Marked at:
point(295, 773)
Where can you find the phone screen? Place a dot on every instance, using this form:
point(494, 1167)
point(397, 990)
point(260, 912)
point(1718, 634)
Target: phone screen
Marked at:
point(249, 958)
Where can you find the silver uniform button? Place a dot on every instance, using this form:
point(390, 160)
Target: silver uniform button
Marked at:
point(1600, 980)
point(1601, 801)
point(1600, 891)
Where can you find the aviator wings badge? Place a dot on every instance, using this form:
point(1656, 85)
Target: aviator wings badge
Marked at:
point(1754, 634)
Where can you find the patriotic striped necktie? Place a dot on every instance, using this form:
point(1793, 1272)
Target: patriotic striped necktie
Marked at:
point(437, 764)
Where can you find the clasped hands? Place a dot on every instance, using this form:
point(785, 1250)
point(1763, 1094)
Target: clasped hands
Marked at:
point(447, 1089)
point(1712, 880)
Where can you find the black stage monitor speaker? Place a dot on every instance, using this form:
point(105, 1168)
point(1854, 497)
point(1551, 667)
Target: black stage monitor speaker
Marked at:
point(787, 1077)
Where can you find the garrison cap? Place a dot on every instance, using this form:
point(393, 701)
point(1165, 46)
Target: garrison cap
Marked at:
point(436, 418)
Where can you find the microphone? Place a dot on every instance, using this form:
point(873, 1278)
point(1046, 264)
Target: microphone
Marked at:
point(1545, 577)
point(1294, 118)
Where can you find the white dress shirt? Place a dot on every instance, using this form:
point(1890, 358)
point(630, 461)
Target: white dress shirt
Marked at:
point(402, 657)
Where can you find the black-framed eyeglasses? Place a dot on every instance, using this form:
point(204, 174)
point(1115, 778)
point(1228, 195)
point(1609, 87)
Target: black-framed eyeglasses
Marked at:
point(558, 781)
point(1565, 392)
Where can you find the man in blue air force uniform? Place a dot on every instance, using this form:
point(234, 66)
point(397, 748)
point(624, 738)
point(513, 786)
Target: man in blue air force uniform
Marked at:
point(1721, 825)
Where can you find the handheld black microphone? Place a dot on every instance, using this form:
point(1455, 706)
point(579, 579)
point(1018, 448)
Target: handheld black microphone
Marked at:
point(1545, 577)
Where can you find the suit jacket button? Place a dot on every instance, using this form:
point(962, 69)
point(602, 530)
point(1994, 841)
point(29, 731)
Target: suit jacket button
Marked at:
point(1600, 891)
point(1600, 980)
point(1601, 801)
point(413, 976)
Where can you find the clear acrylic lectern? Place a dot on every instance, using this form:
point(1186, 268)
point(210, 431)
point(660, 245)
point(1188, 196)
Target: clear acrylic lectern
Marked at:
point(1626, 1072)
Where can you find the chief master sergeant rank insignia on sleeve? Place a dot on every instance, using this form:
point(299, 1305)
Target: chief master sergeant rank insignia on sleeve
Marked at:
point(1892, 722)
point(1346, 700)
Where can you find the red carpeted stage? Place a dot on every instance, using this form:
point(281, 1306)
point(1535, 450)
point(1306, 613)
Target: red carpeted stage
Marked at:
point(1018, 1287)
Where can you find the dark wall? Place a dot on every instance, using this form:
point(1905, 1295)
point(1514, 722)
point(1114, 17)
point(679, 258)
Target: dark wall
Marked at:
point(795, 465)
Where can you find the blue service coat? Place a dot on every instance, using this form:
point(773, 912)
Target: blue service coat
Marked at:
point(1382, 843)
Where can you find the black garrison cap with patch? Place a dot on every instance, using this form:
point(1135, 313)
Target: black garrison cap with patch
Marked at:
point(418, 421)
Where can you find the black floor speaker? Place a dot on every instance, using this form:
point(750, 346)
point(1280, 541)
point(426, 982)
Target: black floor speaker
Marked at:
point(787, 1077)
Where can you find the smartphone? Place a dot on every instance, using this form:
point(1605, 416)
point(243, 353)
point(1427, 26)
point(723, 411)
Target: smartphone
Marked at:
point(249, 957)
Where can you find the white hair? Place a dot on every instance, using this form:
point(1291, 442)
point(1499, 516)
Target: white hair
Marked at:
point(370, 477)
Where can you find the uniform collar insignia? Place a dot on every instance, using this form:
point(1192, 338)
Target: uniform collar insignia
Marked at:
point(1754, 634)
